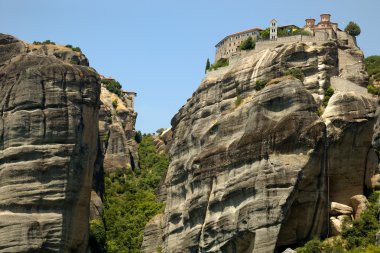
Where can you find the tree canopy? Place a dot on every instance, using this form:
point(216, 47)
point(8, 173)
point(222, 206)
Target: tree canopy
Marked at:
point(353, 29)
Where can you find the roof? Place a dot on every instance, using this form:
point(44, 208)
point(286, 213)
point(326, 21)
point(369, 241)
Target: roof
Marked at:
point(129, 92)
point(284, 26)
point(241, 32)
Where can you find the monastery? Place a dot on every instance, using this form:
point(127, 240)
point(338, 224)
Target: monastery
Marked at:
point(323, 31)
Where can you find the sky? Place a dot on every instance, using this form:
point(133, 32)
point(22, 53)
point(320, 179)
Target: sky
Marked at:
point(159, 48)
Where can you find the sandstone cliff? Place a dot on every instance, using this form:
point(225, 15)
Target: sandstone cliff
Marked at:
point(256, 171)
point(48, 142)
point(117, 132)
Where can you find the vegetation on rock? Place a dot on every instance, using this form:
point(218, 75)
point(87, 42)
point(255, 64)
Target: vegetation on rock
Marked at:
point(328, 94)
point(46, 42)
point(358, 237)
point(260, 84)
point(296, 72)
point(248, 44)
point(222, 62)
point(238, 101)
point(353, 29)
point(114, 103)
point(373, 68)
point(130, 202)
point(113, 86)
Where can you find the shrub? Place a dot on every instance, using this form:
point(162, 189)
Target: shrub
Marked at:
point(373, 90)
point(296, 72)
point(353, 29)
point(248, 44)
point(138, 137)
point(77, 49)
point(97, 238)
point(114, 103)
point(320, 111)
point(46, 42)
point(265, 33)
point(222, 62)
point(260, 84)
point(238, 101)
point(328, 94)
point(373, 66)
point(105, 137)
point(113, 86)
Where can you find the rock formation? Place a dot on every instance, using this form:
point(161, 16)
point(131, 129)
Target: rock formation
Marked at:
point(256, 171)
point(117, 132)
point(48, 142)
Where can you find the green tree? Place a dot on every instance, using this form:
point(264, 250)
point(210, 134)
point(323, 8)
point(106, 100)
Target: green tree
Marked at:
point(353, 29)
point(265, 33)
point(248, 44)
point(130, 200)
point(208, 65)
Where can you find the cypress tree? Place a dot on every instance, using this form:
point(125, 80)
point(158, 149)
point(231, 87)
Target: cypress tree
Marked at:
point(208, 65)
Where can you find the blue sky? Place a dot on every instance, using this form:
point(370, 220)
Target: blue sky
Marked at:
point(159, 48)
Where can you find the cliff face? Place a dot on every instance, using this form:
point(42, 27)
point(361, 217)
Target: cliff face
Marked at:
point(117, 145)
point(48, 143)
point(117, 132)
point(255, 171)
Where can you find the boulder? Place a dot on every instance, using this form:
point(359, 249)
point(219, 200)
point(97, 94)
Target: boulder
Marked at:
point(289, 250)
point(339, 209)
point(359, 204)
point(96, 206)
point(335, 226)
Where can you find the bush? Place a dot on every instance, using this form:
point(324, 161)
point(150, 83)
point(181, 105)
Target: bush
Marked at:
point(265, 33)
point(353, 29)
point(114, 103)
point(328, 94)
point(238, 101)
point(113, 86)
point(46, 42)
point(77, 49)
point(222, 62)
point(97, 238)
point(373, 90)
point(138, 137)
point(260, 84)
point(296, 73)
point(372, 64)
point(248, 44)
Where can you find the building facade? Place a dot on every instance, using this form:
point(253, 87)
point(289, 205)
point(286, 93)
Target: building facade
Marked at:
point(273, 30)
point(325, 28)
point(229, 45)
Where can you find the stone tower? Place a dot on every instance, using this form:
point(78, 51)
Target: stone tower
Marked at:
point(310, 23)
point(273, 29)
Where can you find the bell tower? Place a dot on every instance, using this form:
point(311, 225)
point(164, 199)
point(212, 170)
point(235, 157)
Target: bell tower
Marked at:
point(273, 30)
